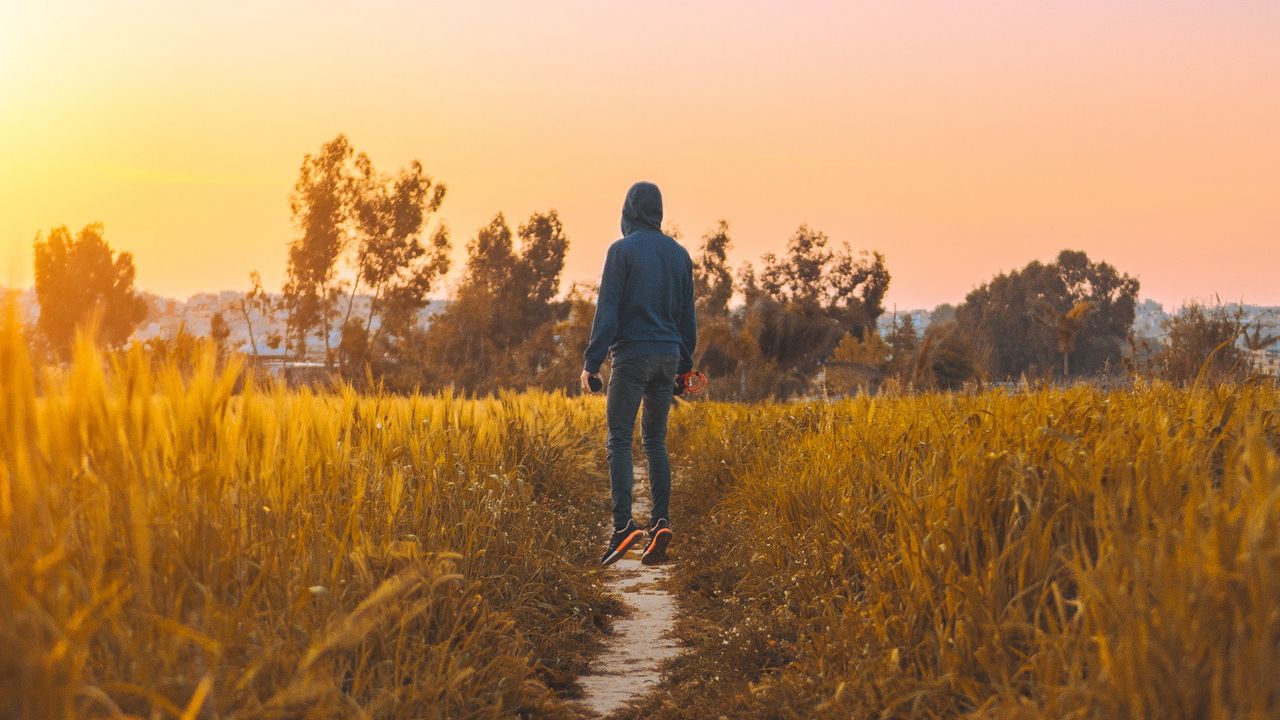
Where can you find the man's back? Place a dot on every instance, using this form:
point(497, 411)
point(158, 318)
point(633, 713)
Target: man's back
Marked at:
point(658, 272)
point(646, 291)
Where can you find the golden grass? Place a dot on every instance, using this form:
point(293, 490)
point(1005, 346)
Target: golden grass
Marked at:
point(191, 545)
point(185, 543)
point(1061, 553)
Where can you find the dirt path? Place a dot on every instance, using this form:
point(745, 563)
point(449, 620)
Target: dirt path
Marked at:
point(627, 667)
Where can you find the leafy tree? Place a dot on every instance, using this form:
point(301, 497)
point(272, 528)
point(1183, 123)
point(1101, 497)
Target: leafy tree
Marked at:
point(903, 344)
point(560, 348)
point(321, 206)
point(801, 305)
point(858, 286)
point(948, 358)
point(1111, 298)
point(1001, 314)
point(712, 280)
point(358, 223)
point(182, 350)
point(796, 338)
point(219, 333)
point(505, 300)
point(857, 364)
point(941, 314)
point(1067, 326)
point(813, 279)
point(721, 346)
point(78, 277)
point(536, 277)
point(871, 350)
point(1072, 307)
point(391, 260)
point(727, 352)
point(517, 288)
point(749, 283)
point(799, 279)
point(527, 328)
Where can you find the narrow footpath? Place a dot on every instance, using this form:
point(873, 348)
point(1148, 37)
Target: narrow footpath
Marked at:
point(641, 640)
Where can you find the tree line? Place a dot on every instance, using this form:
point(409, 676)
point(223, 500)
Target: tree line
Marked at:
point(800, 322)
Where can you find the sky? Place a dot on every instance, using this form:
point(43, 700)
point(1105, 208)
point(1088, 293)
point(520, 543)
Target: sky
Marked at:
point(958, 139)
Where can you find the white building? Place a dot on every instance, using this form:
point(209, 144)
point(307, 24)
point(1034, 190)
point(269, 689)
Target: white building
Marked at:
point(1266, 361)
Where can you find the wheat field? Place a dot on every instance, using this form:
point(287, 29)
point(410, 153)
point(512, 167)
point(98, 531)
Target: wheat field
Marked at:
point(1052, 553)
point(193, 545)
point(189, 542)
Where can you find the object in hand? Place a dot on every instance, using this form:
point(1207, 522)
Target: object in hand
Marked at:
point(690, 383)
point(595, 383)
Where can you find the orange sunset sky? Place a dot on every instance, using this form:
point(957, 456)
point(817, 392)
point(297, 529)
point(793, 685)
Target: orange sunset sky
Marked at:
point(959, 139)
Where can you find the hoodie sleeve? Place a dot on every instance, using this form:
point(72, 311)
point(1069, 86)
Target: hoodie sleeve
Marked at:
point(605, 326)
point(688, 324)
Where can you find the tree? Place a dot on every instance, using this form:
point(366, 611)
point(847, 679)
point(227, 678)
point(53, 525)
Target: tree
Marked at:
point(505, 300)
point(903, 343)
point(1000, 314)
point(389, 216)
point(258, 301)
point(944, 313)
point(811, 279)
point(530, 317)
point(568, 337)
point(799, 279)
point(721, 346)
point(857, 364)
point(78, 277)
point(749, 283)
point(321, 204)
point(182, 350)
point(1111, 298)
point(858, 286)
point(1025, 317)
point(517, 287)
point(948, 358)
point(801, 304)
point(359, 229)
point(1067, 326)
point(712, 280)
point(219, 333)
point(536, 277)
point(794, 337)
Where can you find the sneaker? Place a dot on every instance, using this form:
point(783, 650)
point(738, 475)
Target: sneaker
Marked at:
point(659, 537)
point(621, 542)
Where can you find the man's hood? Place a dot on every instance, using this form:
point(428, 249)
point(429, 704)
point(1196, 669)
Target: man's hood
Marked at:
point(642, 209)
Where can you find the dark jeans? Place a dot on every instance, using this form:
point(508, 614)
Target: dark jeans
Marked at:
point(649, 378)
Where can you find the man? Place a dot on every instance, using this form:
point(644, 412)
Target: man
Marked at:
point(645, 321)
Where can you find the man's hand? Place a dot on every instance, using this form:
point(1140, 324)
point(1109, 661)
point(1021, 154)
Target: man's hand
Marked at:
point(585, 381)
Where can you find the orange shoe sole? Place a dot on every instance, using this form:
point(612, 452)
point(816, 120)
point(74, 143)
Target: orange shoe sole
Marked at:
point(657, 550)
point(622, 548)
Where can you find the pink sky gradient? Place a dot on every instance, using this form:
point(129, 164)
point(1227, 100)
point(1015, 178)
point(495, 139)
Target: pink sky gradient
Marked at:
point(958, 139)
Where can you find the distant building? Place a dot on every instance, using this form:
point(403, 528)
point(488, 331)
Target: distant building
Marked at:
point(920, 319)
point(166, 317)
point(1149, 320)
point(1266, 362)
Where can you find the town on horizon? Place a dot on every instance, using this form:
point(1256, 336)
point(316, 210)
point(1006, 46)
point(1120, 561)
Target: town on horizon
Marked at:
point(167, 317)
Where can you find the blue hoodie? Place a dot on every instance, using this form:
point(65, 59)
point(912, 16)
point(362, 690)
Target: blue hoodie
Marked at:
point(646, 291)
